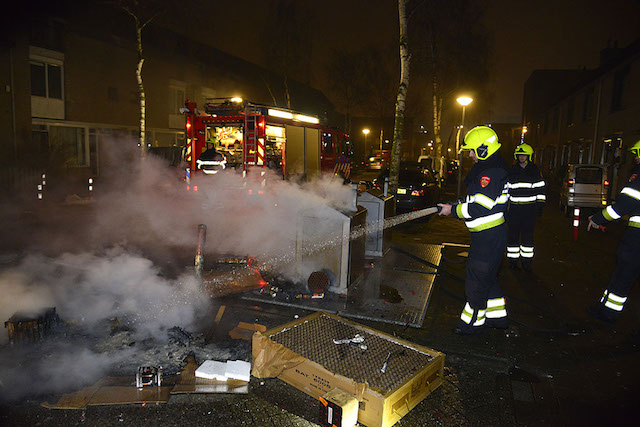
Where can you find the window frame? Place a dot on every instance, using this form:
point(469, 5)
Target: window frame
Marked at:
point(47, 59)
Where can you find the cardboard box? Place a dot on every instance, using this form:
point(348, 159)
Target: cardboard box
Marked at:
point(318, 365)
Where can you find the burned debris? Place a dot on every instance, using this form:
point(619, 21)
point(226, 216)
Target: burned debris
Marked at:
point(25, 327)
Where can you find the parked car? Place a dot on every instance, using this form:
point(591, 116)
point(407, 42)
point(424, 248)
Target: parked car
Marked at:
point(429, 163)
point(417, 188)
point(585, 186)
point(377, 163)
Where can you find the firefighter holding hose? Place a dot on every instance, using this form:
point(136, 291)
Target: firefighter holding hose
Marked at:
point(483, 211)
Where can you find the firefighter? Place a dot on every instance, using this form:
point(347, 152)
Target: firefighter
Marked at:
point(627, 267)
point(211, 161)
point(483, 211)
point(526, 202)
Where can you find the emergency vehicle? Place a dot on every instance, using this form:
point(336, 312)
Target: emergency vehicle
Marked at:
point(258, 136)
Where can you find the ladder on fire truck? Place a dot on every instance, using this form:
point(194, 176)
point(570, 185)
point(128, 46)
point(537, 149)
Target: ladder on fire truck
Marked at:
point(253, 153)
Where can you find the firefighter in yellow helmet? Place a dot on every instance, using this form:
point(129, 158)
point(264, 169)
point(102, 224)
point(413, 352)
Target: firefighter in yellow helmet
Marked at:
point(483, 212)
point(526, 201)
point(627, 267)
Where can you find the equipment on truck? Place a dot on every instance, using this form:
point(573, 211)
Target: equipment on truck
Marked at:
point(251, 135)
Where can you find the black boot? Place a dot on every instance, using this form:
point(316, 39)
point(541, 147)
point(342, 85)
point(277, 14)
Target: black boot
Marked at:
point(526, 266)
point(513, 264)
point(598, 311)
point(464, 329)
point(501, 323)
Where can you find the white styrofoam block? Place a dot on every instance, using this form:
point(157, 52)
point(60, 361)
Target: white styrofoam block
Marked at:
point(212, 370)
point(238, 370)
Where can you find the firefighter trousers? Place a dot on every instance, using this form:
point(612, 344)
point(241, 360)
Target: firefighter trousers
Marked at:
point(522, 221)
point(485, 301)
point(626, 272)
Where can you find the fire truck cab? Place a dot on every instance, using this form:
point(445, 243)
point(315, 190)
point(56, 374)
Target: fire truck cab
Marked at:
point(257, 136)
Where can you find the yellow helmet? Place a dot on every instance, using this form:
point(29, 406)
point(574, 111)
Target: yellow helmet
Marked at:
point(525, 149)
point(483, 140)
point(635, 149)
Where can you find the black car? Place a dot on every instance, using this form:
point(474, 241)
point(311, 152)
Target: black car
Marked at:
point(417, 188)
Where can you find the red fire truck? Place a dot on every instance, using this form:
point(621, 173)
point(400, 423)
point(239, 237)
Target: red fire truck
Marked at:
point(257, 136)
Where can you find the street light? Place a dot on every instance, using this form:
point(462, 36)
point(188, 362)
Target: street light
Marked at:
point(366, 132)
point(464, 101)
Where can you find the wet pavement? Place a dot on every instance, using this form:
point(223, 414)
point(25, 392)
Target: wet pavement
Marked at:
point(553, 366)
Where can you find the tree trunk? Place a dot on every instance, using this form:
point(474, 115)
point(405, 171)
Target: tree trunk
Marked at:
point(286, 91)
point(437, 117)
point(143, 104)
point(398, 128)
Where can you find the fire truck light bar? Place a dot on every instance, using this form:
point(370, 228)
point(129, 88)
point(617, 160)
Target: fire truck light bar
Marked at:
point(307, 119)
point(280, 113)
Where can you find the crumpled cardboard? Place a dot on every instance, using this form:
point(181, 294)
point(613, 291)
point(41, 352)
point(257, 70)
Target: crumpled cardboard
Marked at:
point(271, 358)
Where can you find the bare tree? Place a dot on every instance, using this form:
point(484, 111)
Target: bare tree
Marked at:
point(450, 48)
point(142, 15)
point(398, 129)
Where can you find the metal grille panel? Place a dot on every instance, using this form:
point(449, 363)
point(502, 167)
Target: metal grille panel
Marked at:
point(313, 339)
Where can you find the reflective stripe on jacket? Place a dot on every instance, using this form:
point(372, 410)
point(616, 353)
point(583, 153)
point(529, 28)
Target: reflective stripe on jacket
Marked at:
point(487, 195)
point(526, 185)
point(627, 203)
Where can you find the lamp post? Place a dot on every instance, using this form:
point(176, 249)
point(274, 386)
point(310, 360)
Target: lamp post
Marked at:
point(464, 101)
point(366, 132)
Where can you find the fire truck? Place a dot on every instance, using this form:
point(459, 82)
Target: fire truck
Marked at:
point(254, 136)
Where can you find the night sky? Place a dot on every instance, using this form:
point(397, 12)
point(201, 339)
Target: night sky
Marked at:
point(527, 35)
point(552, 34)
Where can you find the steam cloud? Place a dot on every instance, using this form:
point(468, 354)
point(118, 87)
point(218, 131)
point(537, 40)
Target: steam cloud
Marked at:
point(115, 267)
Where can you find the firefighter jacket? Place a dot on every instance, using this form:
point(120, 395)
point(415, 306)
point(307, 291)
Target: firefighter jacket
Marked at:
point(526, 186)
point(487, 195)
point(627, 203)
point(211, 161)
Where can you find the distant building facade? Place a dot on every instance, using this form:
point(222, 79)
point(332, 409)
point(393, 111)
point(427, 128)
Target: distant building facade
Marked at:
point(586, 116)
point(69, 83)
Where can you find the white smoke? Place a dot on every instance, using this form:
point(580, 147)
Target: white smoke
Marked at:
point(111, 259)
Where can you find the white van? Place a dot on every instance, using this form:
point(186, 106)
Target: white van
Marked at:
point(584, 186)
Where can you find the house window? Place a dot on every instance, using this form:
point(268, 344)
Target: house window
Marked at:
point(40, 140)
point(47, 83)
point(46, 80)
point(617, 95)
point(69, 145)
point(587, 111)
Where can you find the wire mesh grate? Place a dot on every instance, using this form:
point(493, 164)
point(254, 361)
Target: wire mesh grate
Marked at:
point(314, 340)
